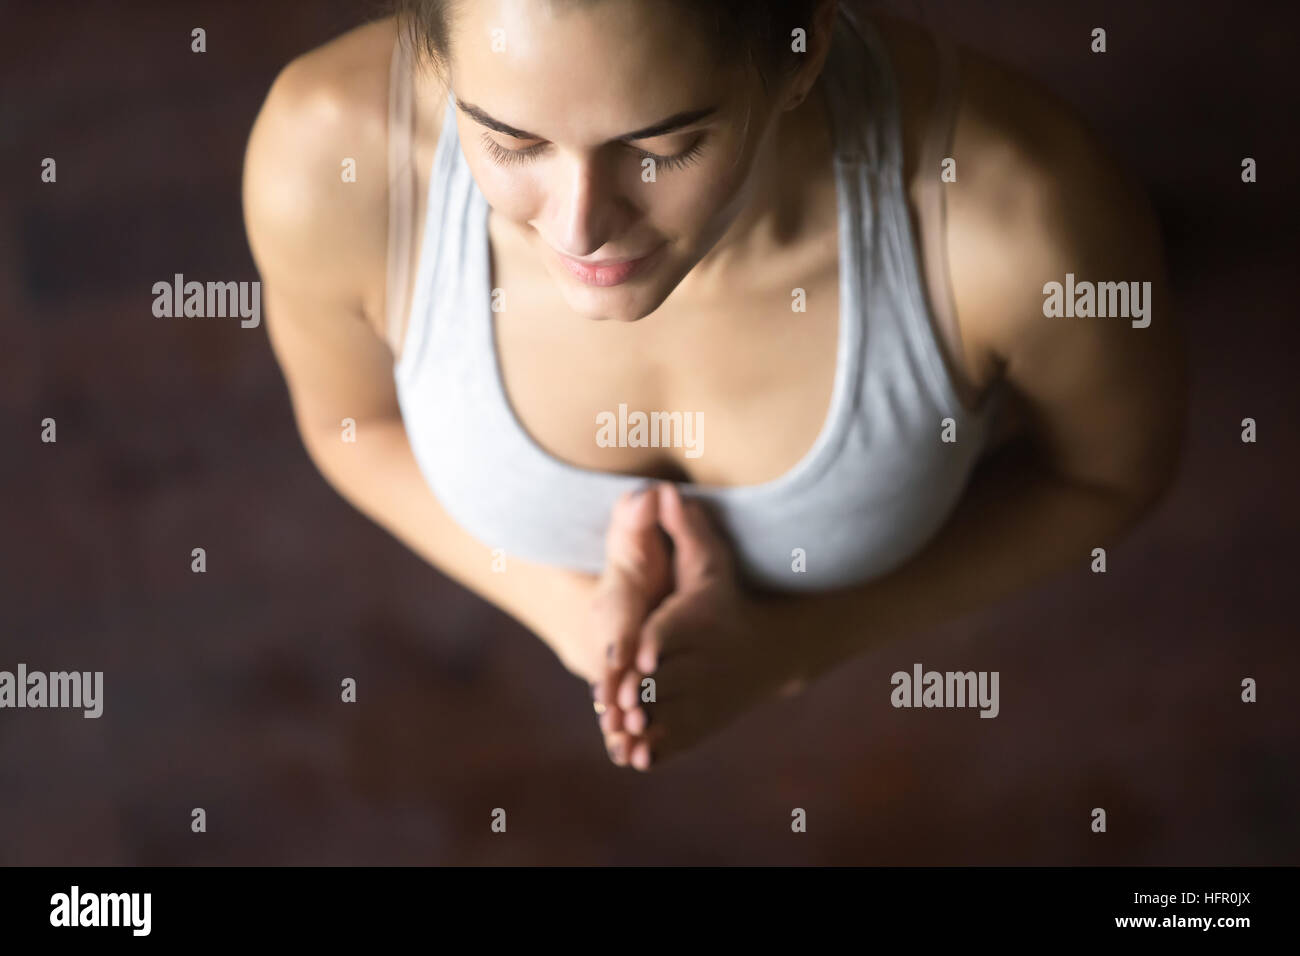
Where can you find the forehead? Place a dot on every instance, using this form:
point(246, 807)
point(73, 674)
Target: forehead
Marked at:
point(600, 65)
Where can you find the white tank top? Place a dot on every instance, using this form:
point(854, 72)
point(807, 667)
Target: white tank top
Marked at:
point(879, 480)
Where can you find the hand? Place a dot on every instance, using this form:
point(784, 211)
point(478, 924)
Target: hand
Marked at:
point(637, 576)
point(703, 645)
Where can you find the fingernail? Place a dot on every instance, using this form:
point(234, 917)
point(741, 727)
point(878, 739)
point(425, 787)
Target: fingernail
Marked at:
point(609, 653)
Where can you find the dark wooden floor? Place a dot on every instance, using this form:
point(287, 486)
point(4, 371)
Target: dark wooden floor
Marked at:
point(222, 689)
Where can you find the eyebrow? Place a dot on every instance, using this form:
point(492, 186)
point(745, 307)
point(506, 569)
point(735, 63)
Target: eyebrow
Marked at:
point(663, 127)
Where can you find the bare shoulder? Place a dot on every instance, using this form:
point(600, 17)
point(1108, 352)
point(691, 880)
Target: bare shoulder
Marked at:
point(1034, 188)
point(315, 171)
point(1039, 196)
point(1033, 181)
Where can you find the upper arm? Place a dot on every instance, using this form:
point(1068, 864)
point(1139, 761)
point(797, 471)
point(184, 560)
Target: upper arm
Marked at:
point(318, 241)
point(1041, 198)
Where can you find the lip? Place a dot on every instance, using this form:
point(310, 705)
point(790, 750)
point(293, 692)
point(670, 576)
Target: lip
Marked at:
point(607, 272)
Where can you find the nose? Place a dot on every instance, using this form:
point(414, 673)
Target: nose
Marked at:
point(586, 208)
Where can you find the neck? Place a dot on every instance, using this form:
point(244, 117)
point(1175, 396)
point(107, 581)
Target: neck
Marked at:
point(780, 208)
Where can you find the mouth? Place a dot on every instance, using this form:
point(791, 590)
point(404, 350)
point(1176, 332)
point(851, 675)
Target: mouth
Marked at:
point(607, 272)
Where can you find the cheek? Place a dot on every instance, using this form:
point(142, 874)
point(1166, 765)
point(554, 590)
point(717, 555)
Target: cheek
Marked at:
point(512, 192)
point(698, 195)
point(707, 200)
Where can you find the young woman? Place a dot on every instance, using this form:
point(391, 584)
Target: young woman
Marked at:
point(503, 236)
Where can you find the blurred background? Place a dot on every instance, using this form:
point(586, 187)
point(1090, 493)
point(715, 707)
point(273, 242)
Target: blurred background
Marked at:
point(222, 689)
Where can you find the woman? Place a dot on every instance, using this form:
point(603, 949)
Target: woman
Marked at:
point(518, 254)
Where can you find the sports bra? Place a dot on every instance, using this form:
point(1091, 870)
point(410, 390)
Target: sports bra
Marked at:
point(894, 453)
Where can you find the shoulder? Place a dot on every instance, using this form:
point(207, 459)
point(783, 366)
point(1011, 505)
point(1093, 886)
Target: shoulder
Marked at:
point(1036, 189)
point(1038, 196)
point(1037, 192)
point(310, 221)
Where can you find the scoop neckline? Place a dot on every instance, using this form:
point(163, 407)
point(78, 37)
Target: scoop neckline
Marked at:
point(847, 355)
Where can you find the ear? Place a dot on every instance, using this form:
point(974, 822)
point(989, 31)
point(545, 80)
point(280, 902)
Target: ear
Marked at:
point(820, 34)
point(823, 30)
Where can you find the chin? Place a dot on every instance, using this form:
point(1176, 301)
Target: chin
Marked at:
point(606, 313)
point(614, 304)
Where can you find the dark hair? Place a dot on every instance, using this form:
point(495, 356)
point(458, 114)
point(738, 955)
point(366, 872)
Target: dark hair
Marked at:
point(756, 32)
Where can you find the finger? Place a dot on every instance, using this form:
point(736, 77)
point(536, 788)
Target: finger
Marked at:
point(637, 720)
point(633, 546)
point(651, 749)
point(698, 549)
point(649, 650)
point(655, 740)
point(616, 617)
point(634, 512)
point(629, 690)
point(611, 720)
point(611, 684)
point(656, 645)
point(642, 758)
point(633, 579)
point(619, 747)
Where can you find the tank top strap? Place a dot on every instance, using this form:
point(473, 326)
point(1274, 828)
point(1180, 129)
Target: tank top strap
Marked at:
point(853, 85)
point(936, 148)
point(873, 263)
point(401, 192)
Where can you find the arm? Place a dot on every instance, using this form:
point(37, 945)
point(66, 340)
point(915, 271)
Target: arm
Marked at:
point(1018, 523)
point(319, 247)
point(1106, 400)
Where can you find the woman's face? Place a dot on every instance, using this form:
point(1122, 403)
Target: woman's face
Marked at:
point(606, 131)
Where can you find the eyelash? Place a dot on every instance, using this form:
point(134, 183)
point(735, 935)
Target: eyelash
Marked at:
point(510, 157)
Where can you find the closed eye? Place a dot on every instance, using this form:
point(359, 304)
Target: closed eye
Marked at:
point(511, 157)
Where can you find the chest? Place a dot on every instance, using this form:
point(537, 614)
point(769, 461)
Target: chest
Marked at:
point(732, 393)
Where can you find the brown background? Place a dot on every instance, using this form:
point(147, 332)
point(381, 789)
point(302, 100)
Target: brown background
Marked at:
point(1119, 691)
